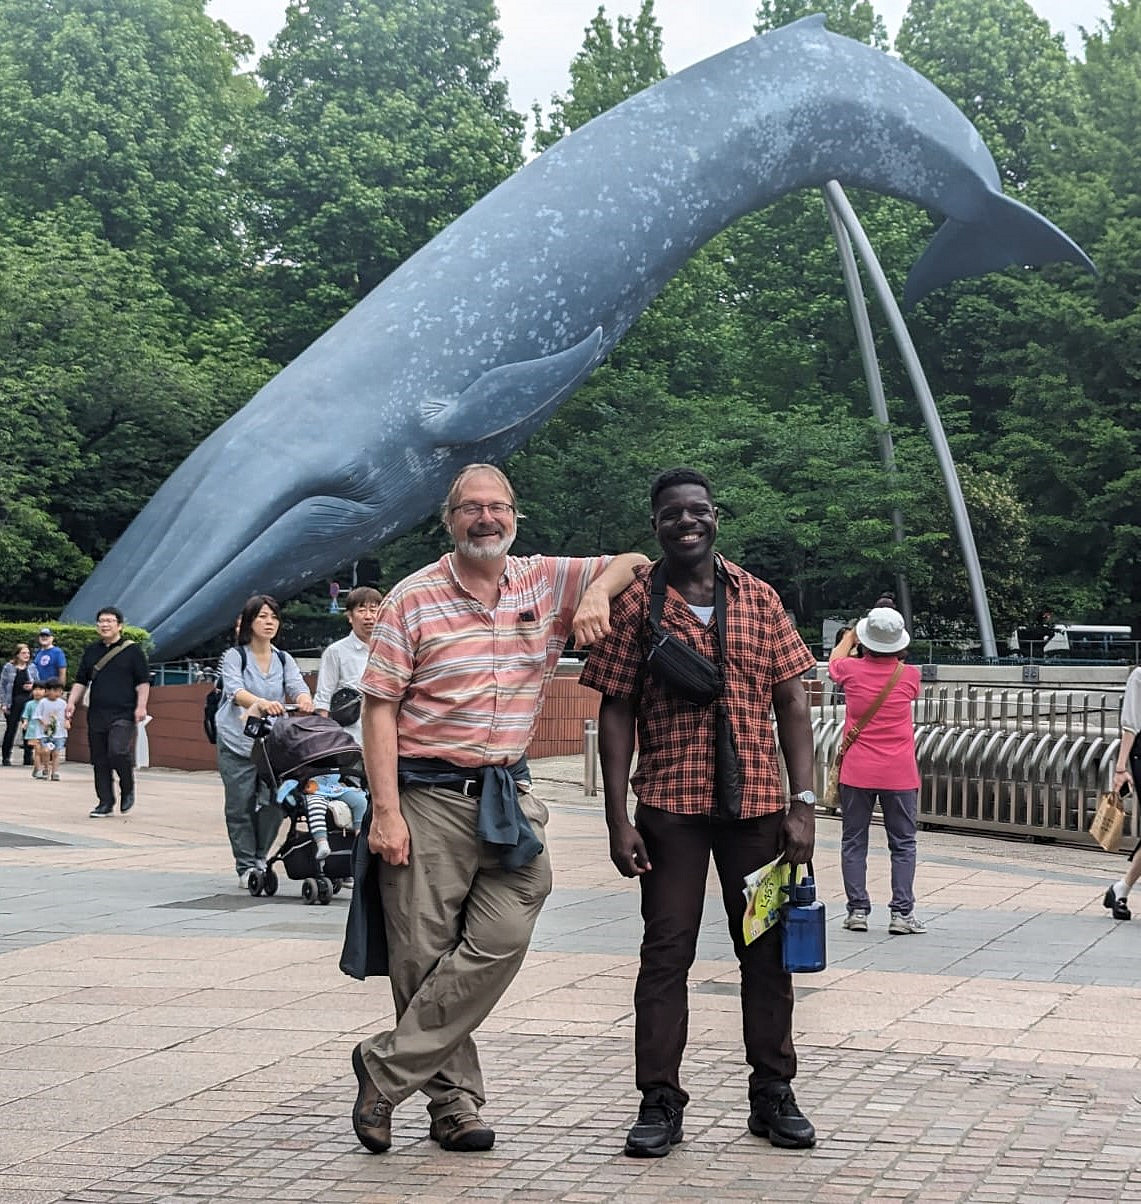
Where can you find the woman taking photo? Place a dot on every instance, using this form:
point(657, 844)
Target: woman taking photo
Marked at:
point(879, 763)
point(257, 679)
point(15, 690)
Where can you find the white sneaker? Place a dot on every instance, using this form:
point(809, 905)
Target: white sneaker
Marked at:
point(856, 921)
point(244, 877)
point(905, 925)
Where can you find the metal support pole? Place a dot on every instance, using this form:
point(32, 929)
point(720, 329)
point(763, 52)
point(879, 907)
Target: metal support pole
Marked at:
point(590, 757)
point(857, 304)
point(847, 214)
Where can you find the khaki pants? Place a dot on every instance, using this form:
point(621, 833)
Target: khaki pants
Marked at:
point(458, 927)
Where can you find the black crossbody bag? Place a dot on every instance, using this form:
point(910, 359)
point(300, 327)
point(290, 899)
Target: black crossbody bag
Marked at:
point(679, 668)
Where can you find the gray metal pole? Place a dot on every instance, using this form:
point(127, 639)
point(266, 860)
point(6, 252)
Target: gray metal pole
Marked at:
point(858, 305)
point(847, 214)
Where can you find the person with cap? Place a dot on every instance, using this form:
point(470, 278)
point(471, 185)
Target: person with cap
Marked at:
point(49, 660)
point(878, 763)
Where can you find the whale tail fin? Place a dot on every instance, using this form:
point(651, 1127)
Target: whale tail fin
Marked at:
point(1007, 233)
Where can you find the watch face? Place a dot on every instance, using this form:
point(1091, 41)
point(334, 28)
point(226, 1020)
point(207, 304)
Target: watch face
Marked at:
point(806, 796)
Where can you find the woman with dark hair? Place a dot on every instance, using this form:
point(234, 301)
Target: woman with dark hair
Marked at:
point(16, 680)
point(257, 679)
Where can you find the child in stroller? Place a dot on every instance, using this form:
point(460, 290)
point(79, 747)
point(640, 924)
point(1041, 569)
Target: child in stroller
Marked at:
point(315, 770)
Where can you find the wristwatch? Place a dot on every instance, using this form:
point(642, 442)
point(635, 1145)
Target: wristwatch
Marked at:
point(805, 796)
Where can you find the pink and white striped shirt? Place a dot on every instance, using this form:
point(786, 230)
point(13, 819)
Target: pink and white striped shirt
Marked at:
point(470, 681)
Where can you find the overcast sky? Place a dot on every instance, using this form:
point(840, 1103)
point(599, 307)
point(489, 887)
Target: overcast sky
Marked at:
point(540, 37)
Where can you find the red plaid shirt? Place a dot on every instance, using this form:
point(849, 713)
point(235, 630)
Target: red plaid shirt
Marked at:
point(675, 738)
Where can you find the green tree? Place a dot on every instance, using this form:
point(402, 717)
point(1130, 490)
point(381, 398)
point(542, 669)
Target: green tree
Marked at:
point(129, 107)
point(382, 121)
point(101, 400)
point(853, 18)
point(613, 64)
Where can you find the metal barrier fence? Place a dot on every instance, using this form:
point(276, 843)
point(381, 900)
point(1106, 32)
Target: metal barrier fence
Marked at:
point(1028, 762)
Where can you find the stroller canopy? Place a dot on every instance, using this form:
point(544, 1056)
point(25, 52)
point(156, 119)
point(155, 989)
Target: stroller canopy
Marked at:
point(298, 746)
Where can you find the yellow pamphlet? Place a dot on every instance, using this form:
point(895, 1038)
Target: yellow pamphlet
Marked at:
point(764, 896)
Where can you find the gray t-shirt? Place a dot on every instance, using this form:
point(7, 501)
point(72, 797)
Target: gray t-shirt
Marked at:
point(283, 683)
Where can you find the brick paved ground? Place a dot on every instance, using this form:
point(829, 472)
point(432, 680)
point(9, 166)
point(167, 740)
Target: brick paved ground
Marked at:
point(165, 1038)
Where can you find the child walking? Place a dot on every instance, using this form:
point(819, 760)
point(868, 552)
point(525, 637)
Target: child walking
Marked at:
point(51, 713)
point(30, 728)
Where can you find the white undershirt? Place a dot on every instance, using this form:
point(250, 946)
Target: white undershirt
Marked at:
point(704, 613)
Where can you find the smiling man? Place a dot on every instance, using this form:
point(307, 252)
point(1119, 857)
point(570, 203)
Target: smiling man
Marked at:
point(687, 809)
point(461, 654)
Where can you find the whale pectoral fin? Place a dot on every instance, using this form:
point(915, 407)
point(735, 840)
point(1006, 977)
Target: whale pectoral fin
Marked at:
point(510, 394)
point(1007, 233)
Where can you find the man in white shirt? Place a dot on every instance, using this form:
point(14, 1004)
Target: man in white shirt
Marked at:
point(343, 662)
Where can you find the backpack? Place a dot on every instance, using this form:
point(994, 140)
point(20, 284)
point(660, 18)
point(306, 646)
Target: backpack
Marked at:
point(214, 699)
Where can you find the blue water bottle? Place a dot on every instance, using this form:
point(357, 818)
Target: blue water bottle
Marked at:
point(802, 927)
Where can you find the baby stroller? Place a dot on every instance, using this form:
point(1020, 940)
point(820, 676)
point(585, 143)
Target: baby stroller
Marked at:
point(299, 748)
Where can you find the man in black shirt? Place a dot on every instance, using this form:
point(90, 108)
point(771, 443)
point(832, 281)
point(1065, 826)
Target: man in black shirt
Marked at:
point(116, 669)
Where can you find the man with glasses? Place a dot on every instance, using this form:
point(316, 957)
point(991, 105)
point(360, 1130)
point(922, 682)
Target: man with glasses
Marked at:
point(343, 662)
point(461, 654)
point(737, 622)
point(116, 669)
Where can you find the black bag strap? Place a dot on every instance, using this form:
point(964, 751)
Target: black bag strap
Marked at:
point(657, 606)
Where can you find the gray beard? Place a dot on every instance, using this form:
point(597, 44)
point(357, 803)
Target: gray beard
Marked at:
point(485, 551)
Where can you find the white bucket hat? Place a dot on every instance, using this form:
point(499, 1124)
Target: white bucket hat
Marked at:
point(883, 631)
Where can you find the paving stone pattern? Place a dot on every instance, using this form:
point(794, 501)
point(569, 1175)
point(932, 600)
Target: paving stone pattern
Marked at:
point(164, 1037)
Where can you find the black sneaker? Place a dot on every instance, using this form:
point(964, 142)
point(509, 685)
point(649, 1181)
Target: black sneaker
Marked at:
point(1119, 907)
point(657, 1128)
point(126, 803)
point(101, 809)
point(773, 1114)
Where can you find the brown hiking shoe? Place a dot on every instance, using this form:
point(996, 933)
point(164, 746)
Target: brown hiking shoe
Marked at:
point(462, 1133)
point(372, 1113)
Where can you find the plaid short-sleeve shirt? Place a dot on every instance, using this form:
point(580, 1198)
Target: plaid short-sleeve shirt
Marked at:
point(676, 738)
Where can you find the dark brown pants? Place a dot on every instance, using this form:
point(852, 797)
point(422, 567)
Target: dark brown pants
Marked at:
point(673, 893)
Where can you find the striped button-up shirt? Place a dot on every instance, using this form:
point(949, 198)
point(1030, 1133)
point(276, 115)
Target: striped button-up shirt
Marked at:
point(470, 680)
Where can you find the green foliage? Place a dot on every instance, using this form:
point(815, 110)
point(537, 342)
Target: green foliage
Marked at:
point(381, 121)
point(165, 221)
point(73, 638)
point(129, 107)
point(613, 64)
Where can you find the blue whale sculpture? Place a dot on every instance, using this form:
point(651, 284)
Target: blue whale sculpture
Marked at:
point(479, 337)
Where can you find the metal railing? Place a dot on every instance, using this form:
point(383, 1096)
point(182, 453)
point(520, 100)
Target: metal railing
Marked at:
point(1027, 762)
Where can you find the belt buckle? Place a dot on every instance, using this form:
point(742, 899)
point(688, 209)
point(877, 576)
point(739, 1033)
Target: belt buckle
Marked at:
point(472, 787)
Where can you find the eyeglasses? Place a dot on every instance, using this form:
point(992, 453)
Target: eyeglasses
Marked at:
point(475, 509)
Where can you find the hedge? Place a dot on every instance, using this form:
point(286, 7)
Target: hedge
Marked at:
point(71, 637)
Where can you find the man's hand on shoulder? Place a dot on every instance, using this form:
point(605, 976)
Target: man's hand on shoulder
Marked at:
point(592, 619)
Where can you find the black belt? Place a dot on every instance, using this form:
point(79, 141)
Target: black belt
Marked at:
point(471, 787)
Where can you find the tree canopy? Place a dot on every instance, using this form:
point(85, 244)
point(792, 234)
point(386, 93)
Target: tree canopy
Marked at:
point(174, 228)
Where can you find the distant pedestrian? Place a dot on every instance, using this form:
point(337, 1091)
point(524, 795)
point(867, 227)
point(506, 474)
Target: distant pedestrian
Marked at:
point(51, 715)
point(49, 660)
point(879, 763)
point(257, 679)
point(16, 680)
point(116, 670)
point(1126, 775)
point(30, 729)
point(343, 662)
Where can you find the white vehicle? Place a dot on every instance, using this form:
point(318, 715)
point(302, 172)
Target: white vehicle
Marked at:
point(1090, 640)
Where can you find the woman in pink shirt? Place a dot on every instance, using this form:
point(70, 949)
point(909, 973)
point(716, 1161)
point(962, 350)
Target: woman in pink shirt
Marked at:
point(879, 764)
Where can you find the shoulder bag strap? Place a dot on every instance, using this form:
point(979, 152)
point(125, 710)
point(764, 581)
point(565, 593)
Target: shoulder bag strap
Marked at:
point(720, 611)
point(109, 656)
point(862, 722)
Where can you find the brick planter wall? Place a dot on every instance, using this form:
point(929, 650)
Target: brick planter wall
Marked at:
point(177, 741)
